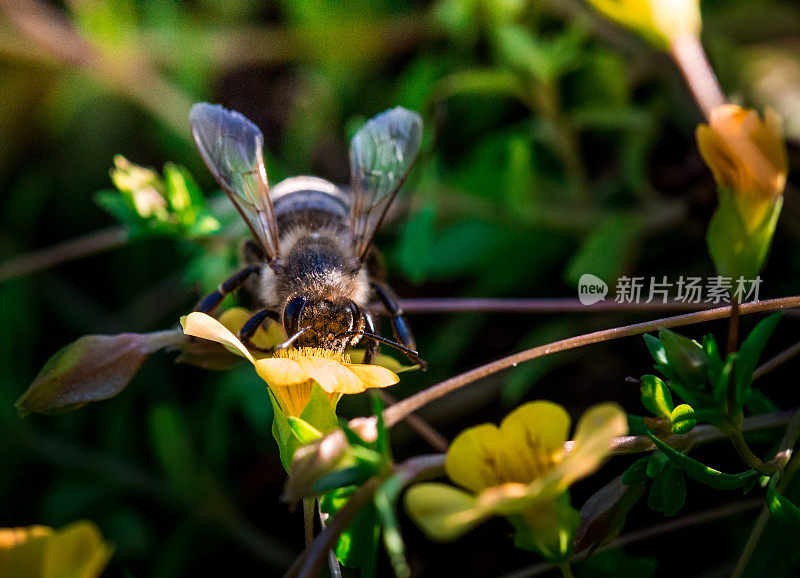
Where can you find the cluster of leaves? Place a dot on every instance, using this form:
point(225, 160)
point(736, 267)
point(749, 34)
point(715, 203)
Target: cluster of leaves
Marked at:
point(716, 390)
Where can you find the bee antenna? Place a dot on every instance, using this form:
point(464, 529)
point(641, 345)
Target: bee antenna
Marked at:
point(292, 339)
point(408, 352)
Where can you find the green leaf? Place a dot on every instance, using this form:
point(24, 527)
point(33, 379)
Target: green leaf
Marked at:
point(655, 465)
point(392, 537)
point(668, 491)
point(358, 543)
point(783, 510)
point(603, 514)
point(304, 431)
point(319, 411)
point(609, 249)
point(686, 357)
point(656, 349)
point(93, 368)
point(284, 435)
point(702, 473)
point(749, 353)
point(737, 252)
point(354, 475)
point(636, 472)
point(550, 532)
point(683, 419)
point(723, 381)
point(656, 396)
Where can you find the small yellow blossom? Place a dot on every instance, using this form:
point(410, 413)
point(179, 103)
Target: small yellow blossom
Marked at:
point(291, 374)
point(145, 187)
point(520, 470)
point(659, 21)
point(747, 156)
point(75, 551)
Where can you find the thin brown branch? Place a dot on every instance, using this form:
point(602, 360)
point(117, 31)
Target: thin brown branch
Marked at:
point(702, 434)
point(396, 412)
point(777, 361)
point(520, 306)
point(90, 244)
point(310, 562)
point(426, 431)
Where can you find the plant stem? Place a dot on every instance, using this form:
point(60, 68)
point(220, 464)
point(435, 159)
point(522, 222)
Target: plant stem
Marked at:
point(566, 570)
point(308, 520)
point(784, 455)
point(733, 328)
point(543, 306)
point(688, 53)
point(91, 244)
point(309, 563)
point(426, 431)
point(747, 455)
point(777, 361)
point(333, 561)
point(398, 411)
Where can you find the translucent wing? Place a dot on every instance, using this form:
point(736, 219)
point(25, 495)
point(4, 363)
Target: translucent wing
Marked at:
point(381, 154)
point(231, 147)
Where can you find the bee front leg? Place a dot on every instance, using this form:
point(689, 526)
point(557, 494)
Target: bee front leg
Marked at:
point(402, 332)
point(371, 349)
point(212, 301)
point(251, 326)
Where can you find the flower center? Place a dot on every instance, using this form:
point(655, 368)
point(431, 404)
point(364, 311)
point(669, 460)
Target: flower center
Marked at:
point(298, 352)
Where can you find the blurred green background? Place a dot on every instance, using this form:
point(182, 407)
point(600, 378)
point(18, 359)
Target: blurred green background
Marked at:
point(555, 144)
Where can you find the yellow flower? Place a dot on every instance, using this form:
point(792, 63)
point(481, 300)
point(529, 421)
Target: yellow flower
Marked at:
point(520, 470)
point(659, 21)
point(748, 158)
point(291, 374)
point(75, 551)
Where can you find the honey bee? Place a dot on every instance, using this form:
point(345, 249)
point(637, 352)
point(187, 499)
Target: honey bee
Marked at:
point(311, 262)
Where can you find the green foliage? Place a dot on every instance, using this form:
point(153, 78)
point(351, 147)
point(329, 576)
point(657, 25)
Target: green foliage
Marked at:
point(704, 474)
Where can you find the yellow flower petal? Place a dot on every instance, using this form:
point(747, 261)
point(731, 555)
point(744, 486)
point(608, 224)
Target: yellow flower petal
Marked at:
point(331, 375)
point(535, 433)
point(476, 458)
point(507, 499)
point(76, 551)
point(525, 447)
point(21, 550)
point(206, 327)
point(281, 372)
point(747, 156)
point(593, 434)
point(443, 512)
point(374, 375)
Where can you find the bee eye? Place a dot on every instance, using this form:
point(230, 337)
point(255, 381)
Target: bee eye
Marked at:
point(291, 315)
point(355, 313)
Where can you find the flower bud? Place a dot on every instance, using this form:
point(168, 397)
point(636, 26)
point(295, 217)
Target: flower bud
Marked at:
point(658, 21)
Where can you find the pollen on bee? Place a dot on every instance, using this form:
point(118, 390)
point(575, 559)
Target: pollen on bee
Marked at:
point(295, 353)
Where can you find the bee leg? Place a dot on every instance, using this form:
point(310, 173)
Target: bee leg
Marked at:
point(251, 326)
point(372, 346)
point(212, 301)
point(402, 332)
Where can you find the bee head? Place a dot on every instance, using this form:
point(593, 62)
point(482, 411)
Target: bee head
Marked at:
point(323, 319)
